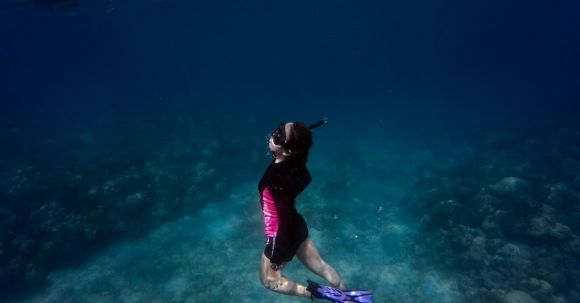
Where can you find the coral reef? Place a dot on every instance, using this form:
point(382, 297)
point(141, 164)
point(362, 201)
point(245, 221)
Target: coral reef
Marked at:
point(503, 219)
point(73, 193)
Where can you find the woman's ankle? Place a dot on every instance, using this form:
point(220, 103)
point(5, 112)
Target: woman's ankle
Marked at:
point(304, 292)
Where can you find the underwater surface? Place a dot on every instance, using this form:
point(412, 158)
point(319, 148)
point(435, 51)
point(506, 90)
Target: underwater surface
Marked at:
point(133, 135)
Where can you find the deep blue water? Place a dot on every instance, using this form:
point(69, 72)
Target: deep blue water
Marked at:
point(136, 131)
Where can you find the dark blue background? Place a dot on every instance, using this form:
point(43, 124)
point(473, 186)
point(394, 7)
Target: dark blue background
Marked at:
point(485, 54)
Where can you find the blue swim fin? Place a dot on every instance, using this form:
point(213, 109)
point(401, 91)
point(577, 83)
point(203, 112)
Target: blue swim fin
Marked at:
point(339, 296)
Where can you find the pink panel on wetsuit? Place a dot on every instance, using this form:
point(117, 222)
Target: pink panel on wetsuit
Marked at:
point(270, 214)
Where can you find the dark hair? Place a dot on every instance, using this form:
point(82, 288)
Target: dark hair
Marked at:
point(299, 141)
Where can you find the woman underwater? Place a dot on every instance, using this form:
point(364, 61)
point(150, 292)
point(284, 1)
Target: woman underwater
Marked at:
point(286, 231)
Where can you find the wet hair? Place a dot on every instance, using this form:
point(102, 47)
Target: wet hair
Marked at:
point(298, 141)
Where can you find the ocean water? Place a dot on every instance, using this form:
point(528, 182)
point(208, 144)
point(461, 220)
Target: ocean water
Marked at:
point(133, 135)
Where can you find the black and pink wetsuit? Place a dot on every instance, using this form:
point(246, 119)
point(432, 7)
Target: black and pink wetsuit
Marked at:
point(285, 228)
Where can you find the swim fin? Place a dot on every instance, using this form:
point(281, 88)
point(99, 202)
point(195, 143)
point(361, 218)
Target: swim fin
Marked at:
point(339, 296)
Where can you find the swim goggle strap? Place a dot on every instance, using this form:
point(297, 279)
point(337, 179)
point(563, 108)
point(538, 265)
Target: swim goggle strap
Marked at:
point(279, 134)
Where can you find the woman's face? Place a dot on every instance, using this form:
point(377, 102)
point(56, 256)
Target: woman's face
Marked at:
point(279, 149)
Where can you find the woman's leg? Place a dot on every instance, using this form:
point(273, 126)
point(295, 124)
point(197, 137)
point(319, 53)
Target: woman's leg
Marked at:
point(273, 280)
point(309, 256)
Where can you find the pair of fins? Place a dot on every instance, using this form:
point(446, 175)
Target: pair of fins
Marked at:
point(339, 296)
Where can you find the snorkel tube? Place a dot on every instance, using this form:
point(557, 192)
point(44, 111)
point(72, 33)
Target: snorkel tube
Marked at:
point(318, 123)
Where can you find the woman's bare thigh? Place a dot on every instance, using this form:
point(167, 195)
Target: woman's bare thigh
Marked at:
point(309, 256)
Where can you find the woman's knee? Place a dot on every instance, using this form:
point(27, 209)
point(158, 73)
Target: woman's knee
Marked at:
point(271, 283)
